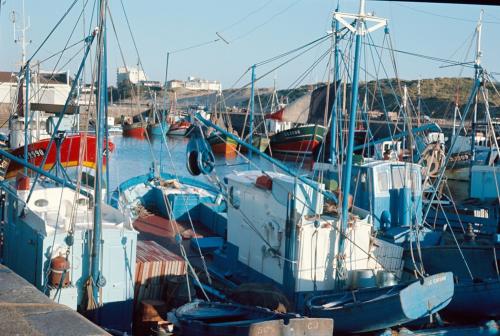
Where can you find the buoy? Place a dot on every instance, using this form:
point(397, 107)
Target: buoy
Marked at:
point(59, 272)
point(200, 159)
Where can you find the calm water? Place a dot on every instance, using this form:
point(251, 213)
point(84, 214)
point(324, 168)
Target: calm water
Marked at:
point(134, 157)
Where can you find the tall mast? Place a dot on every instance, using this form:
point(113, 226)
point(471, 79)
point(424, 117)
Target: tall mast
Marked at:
point(336, 82)
point(98, 279)
point(419, 103)
point(405, 113)
point(478, 73)
point(360, 29)
point(252, 111)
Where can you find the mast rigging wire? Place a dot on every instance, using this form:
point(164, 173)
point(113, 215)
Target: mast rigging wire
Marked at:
point(53, 30)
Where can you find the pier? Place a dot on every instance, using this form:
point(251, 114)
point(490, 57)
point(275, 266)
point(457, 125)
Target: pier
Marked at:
point(26, 311)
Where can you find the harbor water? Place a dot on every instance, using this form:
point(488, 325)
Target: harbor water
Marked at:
point(133, 157)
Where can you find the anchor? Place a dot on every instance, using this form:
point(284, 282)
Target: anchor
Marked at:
point(200, 159)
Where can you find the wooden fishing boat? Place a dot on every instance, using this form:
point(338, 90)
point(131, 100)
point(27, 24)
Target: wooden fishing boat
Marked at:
point(221, 144)
point(308, 113)
point(136, 130)
point(69, 154)
point(297, 142)
point(221, 319)
point(179, 128)
point(158, 129)
point(373, 309)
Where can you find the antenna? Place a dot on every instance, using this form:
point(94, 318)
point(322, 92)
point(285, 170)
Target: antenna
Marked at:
point(22, 30)
point(479, 29)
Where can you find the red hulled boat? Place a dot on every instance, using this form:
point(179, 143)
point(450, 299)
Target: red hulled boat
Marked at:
point(69, 153)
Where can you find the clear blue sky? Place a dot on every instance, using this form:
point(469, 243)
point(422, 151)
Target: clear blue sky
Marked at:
point(258, 29)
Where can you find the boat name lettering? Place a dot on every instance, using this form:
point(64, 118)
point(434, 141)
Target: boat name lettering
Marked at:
point(437, 280)
point(459, 157)
point(35, 153)
point(312, 325)
point(291, 132)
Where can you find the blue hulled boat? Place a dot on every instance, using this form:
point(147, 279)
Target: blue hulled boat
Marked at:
point(226, 319)
point(380, 308)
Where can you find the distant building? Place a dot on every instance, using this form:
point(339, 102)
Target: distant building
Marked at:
point(46, 87)
point(195, 84)
point(130, 75)
point(155, 85)
point(175, 84)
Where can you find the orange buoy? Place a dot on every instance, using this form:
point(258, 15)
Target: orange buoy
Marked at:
point(59, 268)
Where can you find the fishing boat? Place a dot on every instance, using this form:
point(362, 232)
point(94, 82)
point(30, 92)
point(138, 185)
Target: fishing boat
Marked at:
point(302, 140)
point(134, 128)
point(221, 144)
point(297, 142)
point(158, 129)
point(179, 128)
point(476, 278)
point(65, 152)
point(392, 191)
point(381, 308)
point(280, 229)
point(219, 319)
point(61, 238)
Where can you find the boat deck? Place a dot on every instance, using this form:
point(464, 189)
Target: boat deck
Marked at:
point(26, 311)
point(163, 231)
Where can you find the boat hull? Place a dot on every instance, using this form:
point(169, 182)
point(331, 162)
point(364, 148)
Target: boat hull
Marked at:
point(297, 142)
point(135, 130)
point(70, 153)
point(374, 309)
point(158, 130)
point(485, 288)
point(179, 128)
point(221, 144)
point(221, 319)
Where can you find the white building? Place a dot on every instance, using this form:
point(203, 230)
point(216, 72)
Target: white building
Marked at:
point(48, 94)
point(46, 88)
point(132, 75)
point(195, 84)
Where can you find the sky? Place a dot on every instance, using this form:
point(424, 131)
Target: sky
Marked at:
point(256, 30)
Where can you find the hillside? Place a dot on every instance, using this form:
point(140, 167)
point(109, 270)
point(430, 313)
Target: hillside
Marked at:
point(437, 95)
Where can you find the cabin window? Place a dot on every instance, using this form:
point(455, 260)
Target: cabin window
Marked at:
point(398, 178)
point(383, 182)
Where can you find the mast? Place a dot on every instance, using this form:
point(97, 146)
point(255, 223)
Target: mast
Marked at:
point(166, 90)
point(360, 29)
point(252, 111)
point(23, 29)
point(405, 113)
point(98, 279)
point(27, 80)
point(478, 73)
point(336, 78)
point(419, 103)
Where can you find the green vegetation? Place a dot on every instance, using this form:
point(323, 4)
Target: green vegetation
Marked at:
point(438, 95)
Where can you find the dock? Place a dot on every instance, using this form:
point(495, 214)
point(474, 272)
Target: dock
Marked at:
point(24, 310)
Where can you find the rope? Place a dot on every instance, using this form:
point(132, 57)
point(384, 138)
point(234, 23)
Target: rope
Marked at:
point(458, 245)
point(53, 30)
